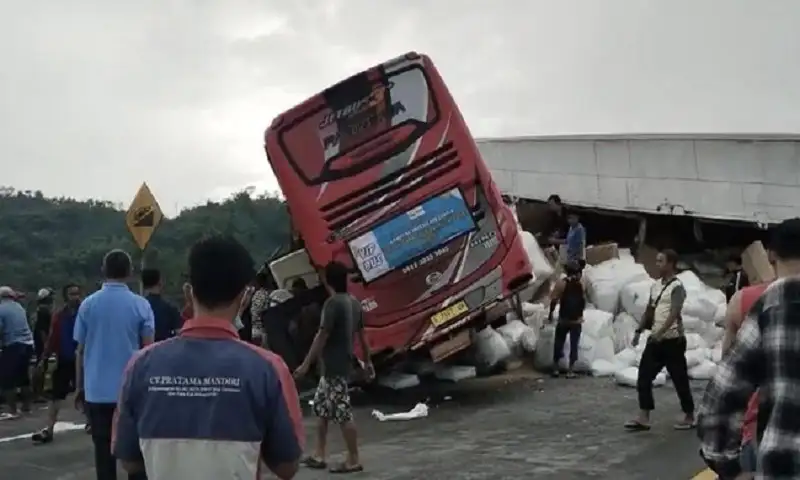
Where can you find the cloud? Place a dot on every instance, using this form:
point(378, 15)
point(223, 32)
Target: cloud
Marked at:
point(96, 97)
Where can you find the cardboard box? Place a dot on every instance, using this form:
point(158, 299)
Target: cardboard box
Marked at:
point(755, 262)
point(600, 253)
point(646, 255)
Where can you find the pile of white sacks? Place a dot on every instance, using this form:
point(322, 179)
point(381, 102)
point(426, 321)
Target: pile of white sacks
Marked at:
point(622, 287)
point(618, 292)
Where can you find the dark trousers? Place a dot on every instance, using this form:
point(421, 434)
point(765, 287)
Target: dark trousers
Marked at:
point(574, 332)
point(668, 353)
point(101, 417)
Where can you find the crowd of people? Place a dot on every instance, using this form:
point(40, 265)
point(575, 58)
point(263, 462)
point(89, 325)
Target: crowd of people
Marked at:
point(186, 394)
point(199, 394)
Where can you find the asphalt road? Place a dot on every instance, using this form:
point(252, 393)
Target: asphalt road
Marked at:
point(513, 426)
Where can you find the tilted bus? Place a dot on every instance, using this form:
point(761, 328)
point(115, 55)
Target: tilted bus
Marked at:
point(380, 172)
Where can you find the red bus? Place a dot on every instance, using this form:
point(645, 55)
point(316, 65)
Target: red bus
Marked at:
point(381, 173)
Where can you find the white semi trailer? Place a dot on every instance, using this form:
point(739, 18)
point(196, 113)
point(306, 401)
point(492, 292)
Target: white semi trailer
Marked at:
point(752, 178)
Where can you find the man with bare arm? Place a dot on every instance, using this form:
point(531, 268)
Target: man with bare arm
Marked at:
point(341, 318)
point(111, 325)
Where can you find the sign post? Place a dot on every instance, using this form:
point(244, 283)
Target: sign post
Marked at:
point(143, 217)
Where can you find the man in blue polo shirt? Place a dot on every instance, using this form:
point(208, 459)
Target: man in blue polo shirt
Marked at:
point(111, 325)
point(206, 405)
point(16, 350)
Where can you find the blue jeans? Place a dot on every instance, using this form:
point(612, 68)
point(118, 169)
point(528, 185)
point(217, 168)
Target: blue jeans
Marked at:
point(747, 456)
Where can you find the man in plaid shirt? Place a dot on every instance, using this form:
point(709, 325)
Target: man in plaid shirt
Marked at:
point(764, 356)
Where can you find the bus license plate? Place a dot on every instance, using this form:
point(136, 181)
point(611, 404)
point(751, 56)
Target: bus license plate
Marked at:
point(449, 313)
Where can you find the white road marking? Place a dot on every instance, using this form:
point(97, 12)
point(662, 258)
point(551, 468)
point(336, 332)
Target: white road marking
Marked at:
point(60, 427)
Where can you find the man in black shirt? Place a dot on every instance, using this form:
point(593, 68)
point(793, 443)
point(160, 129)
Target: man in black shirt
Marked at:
point(42, 319)
point(167, 317)
point(737, 278)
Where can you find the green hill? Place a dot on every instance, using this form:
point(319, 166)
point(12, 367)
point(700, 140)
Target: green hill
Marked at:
point(53, 241)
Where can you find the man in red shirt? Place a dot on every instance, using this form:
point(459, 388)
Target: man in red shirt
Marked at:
point(739, 305)
point(59, 342)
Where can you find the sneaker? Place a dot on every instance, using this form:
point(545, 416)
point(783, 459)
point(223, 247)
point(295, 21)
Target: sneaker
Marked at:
point(42, 436)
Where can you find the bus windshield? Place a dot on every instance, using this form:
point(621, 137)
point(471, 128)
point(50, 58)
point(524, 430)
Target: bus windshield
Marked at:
point(351, 114)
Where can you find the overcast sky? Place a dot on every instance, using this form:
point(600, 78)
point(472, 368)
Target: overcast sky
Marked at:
point(97, 96)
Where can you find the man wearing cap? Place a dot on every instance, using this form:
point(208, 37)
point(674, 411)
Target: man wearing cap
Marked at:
point(41, 320)
point(16, 342)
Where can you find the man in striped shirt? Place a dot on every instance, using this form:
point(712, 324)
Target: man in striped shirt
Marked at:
point(764, 356)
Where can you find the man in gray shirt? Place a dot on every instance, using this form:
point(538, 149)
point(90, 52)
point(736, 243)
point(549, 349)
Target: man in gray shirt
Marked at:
point(16, 342)
point(333, 344)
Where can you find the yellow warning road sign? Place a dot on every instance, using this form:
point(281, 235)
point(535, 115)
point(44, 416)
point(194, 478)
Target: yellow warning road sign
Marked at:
point(143, 217)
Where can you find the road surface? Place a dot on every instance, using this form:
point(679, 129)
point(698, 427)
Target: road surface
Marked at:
point(515, 426)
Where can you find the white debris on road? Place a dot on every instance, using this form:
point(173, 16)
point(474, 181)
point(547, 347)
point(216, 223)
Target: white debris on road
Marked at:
point(420, 410)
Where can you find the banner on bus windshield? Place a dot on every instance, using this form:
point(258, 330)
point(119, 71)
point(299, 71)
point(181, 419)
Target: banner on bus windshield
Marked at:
point(422, 229)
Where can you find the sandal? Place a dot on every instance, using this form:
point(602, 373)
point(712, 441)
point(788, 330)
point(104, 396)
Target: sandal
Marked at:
point(345, 468)
point(684, 425)
point(636, 426)
point(43, 436)
point(314, 463)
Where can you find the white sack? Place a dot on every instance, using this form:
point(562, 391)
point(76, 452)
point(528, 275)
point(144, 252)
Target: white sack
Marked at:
point(715, 354)
point(713, 334)
point(692, 324)
point(529, 309)
point(529, 339)
point(624, 327)
point(597, 324)
point(490, 347)
point(695, 341)
point(542, 270)
point(702, 301)
point(703, 371)
point(604, 368)
point(626, 357)
point(607, 279)
point(586, 348)
point(536, 319)
point(603, 349)
point(543, 359)
point(512, 333)
point(691, 282)
point(398, 380)
point(696, 357)
point(635, 296)
point(627, 377)
point(454, 373)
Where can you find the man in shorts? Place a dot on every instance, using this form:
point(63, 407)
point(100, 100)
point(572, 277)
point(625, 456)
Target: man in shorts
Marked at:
point(60, 342)
point(16, 351)
point(333, 344)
